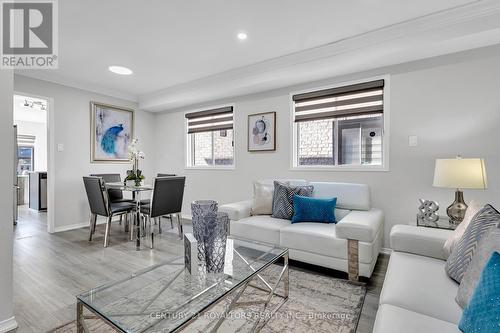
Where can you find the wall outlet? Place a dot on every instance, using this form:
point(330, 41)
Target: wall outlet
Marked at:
point(60, 147)
point(413, 141)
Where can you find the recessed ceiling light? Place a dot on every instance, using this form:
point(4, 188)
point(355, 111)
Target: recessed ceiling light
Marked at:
point(120, 70)
point(242, 36)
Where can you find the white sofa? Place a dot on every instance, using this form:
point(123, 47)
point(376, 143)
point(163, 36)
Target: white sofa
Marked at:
point(319, 243)
point(417, 295)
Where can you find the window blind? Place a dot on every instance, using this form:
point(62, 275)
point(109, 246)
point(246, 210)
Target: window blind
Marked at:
point(354, 100)
point(210, 120)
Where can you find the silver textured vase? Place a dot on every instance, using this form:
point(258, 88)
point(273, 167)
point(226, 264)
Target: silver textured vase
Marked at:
point(216, 226)
point(199, 208)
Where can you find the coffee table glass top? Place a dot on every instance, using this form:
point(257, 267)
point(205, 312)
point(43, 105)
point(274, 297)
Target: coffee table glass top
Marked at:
point(164, 297)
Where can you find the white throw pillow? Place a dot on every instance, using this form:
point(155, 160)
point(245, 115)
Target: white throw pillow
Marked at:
point(262, 197)
point(472, 210)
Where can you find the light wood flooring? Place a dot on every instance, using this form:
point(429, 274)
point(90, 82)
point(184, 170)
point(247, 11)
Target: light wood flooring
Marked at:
point(50, 269)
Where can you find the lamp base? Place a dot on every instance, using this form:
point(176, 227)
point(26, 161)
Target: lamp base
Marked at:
point(456, 211)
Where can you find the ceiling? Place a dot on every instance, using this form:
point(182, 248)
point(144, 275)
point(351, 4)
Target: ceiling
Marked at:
point(181, 45)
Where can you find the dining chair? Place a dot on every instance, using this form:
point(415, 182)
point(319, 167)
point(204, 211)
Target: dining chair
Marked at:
point(115, 195)
point(101, 205)
point(147, 201)
point(166, 175)
point(168, 193)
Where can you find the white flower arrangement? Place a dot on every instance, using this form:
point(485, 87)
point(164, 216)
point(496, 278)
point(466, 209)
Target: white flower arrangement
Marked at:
point(134, 153)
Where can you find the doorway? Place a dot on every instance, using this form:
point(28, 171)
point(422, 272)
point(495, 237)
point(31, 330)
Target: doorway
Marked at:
point(31, 163)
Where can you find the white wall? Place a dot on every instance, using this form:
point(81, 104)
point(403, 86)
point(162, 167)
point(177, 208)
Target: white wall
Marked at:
point(450, 102)
point(71, 114)
point(7, 321)
point(39, 130)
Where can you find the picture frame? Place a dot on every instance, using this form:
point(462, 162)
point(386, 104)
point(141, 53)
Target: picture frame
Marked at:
point(111, 132)
point(261, 134)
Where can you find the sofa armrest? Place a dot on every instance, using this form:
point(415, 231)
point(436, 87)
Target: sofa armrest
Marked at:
point(237, 210)
point(427, 242)
point(361, 225)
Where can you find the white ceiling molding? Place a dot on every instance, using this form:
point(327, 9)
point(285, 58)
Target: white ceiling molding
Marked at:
point(461, 28)
point(48, 76)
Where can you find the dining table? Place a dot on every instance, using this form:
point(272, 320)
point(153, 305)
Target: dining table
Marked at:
point(136, 191)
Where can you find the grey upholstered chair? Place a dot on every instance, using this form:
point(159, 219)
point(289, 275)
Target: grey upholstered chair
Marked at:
point(147, 201)
point(115, 195)
point(168, 193)
point(101, 205)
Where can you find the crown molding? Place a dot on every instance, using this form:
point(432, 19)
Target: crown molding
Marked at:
point(79, 85)
point(465, 27)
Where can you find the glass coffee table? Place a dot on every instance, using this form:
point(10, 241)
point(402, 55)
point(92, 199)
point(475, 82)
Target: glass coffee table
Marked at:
point(167, 298)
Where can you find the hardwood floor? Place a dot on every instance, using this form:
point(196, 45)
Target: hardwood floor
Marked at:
point(50, 269)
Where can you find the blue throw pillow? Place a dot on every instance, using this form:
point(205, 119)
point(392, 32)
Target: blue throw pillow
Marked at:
point(483, 311)
point(308, 209)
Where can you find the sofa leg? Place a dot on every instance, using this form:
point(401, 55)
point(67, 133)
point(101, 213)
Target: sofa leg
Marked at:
point(352, 259)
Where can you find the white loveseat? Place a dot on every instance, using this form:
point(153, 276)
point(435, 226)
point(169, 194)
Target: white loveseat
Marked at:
point(359, 228)
point(417, 295)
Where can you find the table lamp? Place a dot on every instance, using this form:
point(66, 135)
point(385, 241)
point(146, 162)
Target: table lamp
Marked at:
point(459, 173)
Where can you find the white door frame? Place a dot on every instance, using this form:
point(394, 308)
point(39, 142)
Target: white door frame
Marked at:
point(50, 157)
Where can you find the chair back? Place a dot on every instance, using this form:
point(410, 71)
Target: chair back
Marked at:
point(166, 175)
point(96, 195)
point(114, 194)
point(168, 193)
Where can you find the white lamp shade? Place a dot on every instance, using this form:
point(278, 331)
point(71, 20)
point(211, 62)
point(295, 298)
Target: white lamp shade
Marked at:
point(460, 173)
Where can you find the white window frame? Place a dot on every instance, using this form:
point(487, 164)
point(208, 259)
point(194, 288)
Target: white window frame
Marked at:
point(385, 131)
point(189, 144)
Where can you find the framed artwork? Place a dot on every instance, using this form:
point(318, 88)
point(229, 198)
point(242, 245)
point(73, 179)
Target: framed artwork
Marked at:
point(112, 130)
point(262, 132)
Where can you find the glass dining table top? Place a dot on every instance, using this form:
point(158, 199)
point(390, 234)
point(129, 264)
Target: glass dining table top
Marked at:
point(165, 297)
point(132, 188)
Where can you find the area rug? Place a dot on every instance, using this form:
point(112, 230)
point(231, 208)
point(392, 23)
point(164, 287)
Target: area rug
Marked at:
point(316, 303)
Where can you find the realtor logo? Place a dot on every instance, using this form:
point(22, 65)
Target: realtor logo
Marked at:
point(29, 34)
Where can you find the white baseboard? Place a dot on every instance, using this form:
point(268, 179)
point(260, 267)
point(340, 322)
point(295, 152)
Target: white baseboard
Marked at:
point(385, 250)
point(8, 325)
point(78, 225)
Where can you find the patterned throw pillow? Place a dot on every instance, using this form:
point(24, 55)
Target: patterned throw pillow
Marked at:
point(283, 198)
point(471, 211)
point(487, 245)
point(483, 312)
point(461, 255)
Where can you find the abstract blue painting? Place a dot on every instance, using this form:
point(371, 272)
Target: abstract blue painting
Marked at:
point(112, 132)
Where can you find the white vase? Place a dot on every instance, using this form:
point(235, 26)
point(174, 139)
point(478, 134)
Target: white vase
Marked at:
point(130, 183)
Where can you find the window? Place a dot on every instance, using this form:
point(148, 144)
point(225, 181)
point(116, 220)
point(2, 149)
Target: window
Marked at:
point(341, 126)
point(210, 138)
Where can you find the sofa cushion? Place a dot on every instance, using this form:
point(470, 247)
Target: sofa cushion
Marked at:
point(313, 209)
point(420, 284)
point(283, 198)
point(461, 255)
point(349, 196)
point(314, 237)
point(262, 228)
point(393, 319)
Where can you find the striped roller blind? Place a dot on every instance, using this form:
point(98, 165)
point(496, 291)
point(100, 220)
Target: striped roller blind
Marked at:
point(210, 120)
point(354, 100)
